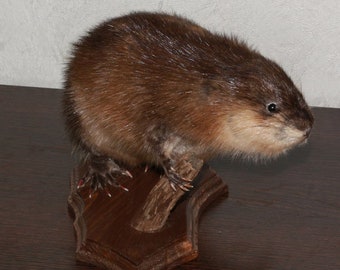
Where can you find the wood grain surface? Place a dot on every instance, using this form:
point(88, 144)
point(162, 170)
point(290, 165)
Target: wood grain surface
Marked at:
point(283, 214)
point(106, 237)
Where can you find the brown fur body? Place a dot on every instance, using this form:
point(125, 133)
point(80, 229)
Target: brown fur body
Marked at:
point(146, 88)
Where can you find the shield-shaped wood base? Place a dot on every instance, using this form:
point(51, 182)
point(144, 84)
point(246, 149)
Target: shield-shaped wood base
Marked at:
point(104, 234)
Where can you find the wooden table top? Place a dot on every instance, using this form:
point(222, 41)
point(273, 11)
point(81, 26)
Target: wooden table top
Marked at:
point(284, 214)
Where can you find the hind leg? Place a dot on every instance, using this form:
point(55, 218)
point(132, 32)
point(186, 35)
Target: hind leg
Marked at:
point(101, 171)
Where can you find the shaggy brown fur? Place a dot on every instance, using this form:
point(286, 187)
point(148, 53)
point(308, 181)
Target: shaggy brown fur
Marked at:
point(150, 88)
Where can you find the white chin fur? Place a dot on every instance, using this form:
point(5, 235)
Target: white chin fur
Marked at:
point(261, 147)
point(247, 135)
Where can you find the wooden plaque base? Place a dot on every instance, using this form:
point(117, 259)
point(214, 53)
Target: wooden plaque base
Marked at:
point(103, 225)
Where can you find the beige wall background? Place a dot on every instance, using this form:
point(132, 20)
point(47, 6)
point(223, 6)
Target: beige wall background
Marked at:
point(303, 36)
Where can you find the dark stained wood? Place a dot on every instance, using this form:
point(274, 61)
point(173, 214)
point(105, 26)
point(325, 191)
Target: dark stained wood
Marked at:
point(106, 238)
point(283, 214)
point(153, 212)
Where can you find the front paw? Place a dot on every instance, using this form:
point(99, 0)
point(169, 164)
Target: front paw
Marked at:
point(102, 172)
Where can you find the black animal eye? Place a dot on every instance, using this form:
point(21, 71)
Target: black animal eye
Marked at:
point(271, 107)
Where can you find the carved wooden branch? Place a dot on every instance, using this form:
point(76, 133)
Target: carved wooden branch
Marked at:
point(154, 213)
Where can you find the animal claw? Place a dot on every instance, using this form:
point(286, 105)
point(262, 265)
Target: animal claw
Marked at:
point(107, 192)
point(91, 192)
point(123, 188)
point(183, 188)
point(173, 186)
point(81, 183)
point(127, 173)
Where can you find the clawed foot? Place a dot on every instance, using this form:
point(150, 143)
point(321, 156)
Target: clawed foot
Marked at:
point(102, 172)
point(176, 173)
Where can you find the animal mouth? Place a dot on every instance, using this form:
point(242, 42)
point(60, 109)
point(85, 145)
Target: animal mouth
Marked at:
point(305, 136)
point(307, 132)
point(302, 141)
point(297, 136)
